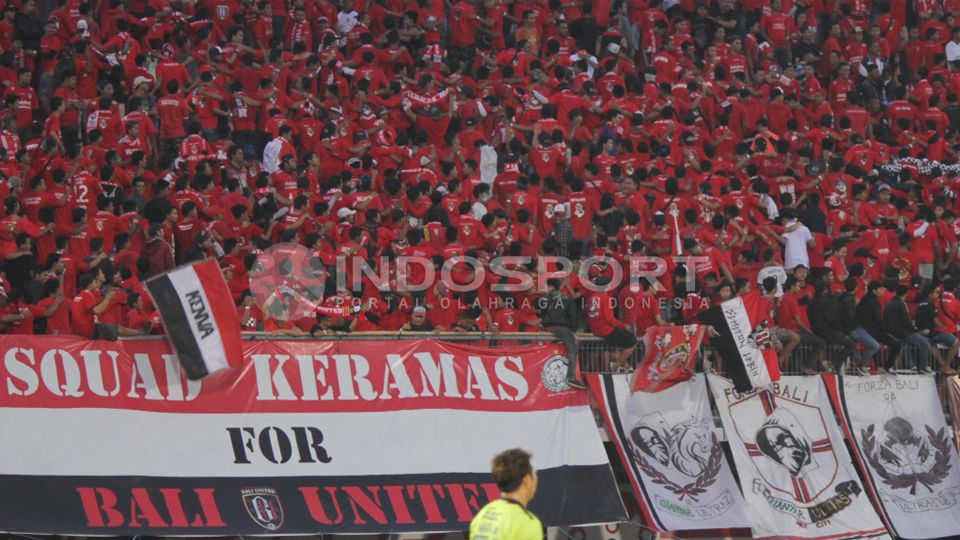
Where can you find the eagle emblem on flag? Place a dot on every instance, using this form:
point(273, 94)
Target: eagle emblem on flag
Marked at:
point(905, 457)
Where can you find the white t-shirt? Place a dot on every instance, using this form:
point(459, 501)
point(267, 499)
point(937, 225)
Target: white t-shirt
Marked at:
point(271, 155)
point(776, 271)
point(796, 251)
point(952, 50)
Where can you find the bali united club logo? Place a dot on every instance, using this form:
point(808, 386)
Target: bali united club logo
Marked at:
point(684, 458)
point(906, 458)
point(263, 506)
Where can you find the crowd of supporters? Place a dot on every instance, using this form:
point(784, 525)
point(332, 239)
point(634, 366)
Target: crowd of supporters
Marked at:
point(810, 142)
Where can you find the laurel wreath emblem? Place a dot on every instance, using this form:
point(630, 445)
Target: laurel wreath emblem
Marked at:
point(694, 489)
point(936, 474)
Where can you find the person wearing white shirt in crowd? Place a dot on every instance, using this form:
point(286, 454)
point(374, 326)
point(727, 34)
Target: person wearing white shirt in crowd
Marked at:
point(797, 240)
point(481, 194)
point(272, 151)
point(953, 47)
point(771, 268)
point(347, 18)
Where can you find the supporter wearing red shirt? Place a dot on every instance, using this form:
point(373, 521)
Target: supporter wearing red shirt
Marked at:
point(923, 241)
point(463, 24)
point(89, 304)
point(419, 257)
point(582, 209)
point(602, 322)
point(173, 112)
point(27, 101)
point(776, 26)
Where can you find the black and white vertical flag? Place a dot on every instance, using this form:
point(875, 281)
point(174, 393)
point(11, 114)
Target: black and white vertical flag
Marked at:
point(199, 316)
point(744, 341)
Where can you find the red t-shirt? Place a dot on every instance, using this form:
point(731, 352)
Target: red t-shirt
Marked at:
point(173, 112)
point(81, 312)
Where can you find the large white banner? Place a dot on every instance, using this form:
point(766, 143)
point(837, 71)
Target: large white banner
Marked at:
point(672, 454)
point(109, 438)
point(904, 446)
point(796, 475)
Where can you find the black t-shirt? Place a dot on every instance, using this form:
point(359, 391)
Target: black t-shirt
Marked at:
point(585, 31)
point(19, 270)
point(926, 318)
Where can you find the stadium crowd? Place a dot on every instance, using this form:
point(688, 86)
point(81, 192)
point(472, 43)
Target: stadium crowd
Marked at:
point(805, 147)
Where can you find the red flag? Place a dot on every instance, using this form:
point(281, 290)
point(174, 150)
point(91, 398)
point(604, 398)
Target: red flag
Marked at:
point(670, 352)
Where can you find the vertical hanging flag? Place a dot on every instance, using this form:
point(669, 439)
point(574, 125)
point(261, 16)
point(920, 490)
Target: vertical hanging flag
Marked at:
point(953, 398)
point(896, 427)
point(200, 318)
point(672, 455)
point(744, 341)
point(668, 360)
point(795, 472)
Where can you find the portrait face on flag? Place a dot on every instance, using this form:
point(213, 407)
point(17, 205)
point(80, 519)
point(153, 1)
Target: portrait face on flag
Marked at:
point(795, 472)
point(672, 454)
point(794, 438)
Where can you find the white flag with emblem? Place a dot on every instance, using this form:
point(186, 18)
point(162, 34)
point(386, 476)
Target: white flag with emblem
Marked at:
point(796, 474)
point(672, 454)
point(905, 449)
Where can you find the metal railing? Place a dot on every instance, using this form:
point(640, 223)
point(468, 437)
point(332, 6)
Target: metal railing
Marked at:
point(594, 353)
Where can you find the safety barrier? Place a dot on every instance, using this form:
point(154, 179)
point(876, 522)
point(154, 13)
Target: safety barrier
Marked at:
point(594, 353)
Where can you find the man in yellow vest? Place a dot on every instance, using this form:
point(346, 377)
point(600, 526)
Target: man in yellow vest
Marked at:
point(507, 518)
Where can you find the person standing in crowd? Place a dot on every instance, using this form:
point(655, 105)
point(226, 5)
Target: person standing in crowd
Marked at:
point(797, 241)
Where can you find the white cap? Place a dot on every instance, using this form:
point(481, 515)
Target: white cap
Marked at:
point(137, 81)
point(559, 208)
point(344, 212)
